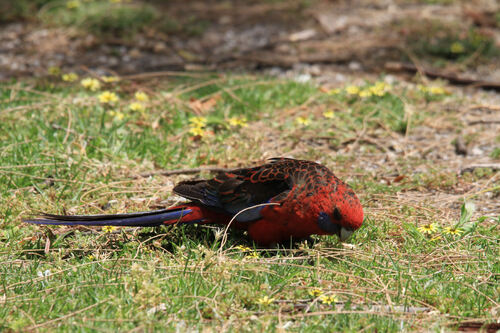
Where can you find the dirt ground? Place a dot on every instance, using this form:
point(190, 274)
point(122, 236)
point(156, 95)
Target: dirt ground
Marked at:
point(355, 37)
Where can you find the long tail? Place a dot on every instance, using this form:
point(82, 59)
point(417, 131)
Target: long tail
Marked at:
point(181, 214)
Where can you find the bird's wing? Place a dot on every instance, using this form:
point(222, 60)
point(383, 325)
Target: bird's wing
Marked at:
point(238, 189)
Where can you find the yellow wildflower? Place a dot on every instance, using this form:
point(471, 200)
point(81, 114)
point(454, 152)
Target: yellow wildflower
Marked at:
point(107, 97)
point(427, 228)
point(141, 96)
point(197, 131)
point(365, 93)
point(457, 47)
point(328, 299)
point(72, 4)
point(108, 229)
point(265, 300)
point(434, 90)
point(328, 114)
point(302, 121)
point(135, 106)
point(379, 88)
point(90, 257)
point(109, 79)
point(91, 84)
point(315, 292)
point(352, 90)
point(437, 90)
point(453, 231)
point(54, 70)
point(117, 114)
point(243, 248)
point(198, 121)
point(235, 121)
point(252, 254)
point(70, 77)
point(335, 91)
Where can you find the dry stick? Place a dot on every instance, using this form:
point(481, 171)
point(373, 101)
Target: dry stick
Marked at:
point(27, 107)
point(148, 75)
point(224, 237)
point(30, 165)
point(451, 77)
point(483, 121)
point(472, 167)
point(181, 172)
point(481, 107)
point(34, 327)
point(365, 139)
point(42, 178)
point(38, 92)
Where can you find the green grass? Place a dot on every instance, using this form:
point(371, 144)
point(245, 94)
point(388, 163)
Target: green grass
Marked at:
point(102, 18)
point(61, 149)
point(451, 42)
point(11, 11)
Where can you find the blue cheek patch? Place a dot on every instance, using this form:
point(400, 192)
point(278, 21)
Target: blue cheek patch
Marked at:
point(326, 224)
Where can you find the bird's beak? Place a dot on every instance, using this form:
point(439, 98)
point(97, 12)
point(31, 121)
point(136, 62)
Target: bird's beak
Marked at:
point(345, 234)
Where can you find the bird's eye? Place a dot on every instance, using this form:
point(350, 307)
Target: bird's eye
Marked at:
point(336, 214)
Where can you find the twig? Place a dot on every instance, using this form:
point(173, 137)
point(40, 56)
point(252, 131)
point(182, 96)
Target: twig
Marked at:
point(484, 107)
point(26, 107)
point(181, 172)
point(483, 121)
point(365, 139)
point(149, 75)
point(472, 167)
point(451, 77)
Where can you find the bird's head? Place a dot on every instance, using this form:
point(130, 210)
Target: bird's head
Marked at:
point(344, 215)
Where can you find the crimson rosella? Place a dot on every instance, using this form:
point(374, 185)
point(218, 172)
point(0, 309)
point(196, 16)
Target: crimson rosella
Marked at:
point(294, 199)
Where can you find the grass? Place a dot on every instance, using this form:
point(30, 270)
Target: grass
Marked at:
point(102, 18)
point(11, 11)
point(61, 149)
point(440, 43)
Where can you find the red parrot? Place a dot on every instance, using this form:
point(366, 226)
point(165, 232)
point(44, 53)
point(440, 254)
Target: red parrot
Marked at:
point(297, 199)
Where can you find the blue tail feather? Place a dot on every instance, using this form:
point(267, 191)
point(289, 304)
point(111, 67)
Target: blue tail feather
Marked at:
point(140, 219)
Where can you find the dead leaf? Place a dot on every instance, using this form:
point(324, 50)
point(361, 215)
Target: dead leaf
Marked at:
point(302, 35)
point(398, 178)
point(324, 89)
point(200, 106)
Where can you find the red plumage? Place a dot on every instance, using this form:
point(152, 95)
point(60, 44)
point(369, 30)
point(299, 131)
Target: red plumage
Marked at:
point(297, 199)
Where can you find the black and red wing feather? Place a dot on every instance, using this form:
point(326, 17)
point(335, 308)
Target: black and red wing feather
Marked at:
point(240, 188)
